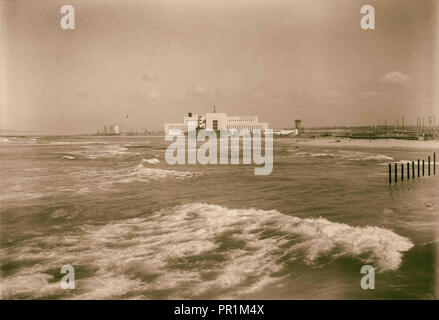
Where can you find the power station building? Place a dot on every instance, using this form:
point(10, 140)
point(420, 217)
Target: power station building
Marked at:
point(217, 121)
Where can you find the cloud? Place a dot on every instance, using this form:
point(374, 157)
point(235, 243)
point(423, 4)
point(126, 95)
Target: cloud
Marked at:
point(394, 78)
point(196, 92)
point(148, 76)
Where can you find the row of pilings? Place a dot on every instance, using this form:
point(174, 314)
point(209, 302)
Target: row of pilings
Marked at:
point(421, 169)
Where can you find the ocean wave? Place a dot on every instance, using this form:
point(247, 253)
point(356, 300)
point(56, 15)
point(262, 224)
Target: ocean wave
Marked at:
point(14, 195)
point(405, 162)
point(105, 179)
point(64, 213)
point(86, 180)
point(377, 157)
point(141, 173)
point(362, 156)
point(322, 155)
point(66, 142)
point(194, 250)
point(106, 151)
point(345, 155)
point(301, 153)
point(68, 157)
point(151, 161)
point(99, 151)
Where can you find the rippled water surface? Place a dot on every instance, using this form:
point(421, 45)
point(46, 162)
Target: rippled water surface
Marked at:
point(135, 227)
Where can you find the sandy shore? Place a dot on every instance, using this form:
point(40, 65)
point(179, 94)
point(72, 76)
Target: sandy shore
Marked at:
point(379, 143)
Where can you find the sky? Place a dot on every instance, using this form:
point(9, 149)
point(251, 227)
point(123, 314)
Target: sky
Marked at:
point(140, 64)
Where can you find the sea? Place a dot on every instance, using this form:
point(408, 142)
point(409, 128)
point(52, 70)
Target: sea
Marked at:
point(135, 227)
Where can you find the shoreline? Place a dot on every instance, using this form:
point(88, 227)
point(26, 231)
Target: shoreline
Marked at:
point(318, 142)
point(364, 143)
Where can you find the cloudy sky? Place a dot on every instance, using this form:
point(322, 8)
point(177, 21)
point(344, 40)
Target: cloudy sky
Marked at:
point(155, 60)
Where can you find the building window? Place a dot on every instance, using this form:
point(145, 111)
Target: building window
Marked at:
point(215, 124)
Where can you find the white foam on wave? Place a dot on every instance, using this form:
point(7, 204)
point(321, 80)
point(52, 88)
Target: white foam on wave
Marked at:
point(323, 155)
point(301, 153)
point(151, 161)
point(105, 179)
point(406, 161)
point(346, 155)
point(64, 213)
point(362, 156)
point(142, 173)
point(86, 180)
point(13, 195)
point(66, 142)
point(4, 140)
point(68, 157)
point(98, 151)
point(195, 249)
point(377, 157)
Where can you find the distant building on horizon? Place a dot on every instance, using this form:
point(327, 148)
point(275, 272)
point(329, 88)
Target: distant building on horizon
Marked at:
point(298, 125)
point(217, 121)
point(112, 129)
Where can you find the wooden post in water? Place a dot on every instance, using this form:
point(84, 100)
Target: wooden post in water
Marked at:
point(402, 171)
point(390, 173)
point(413, 170)
point(419, 170)
point(396, 172)
point(428, 165)
point(423, 167)
point(408, 170)
point(434, 163)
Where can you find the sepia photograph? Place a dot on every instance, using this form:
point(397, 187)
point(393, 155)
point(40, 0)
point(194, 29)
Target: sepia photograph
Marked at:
point(194, 150)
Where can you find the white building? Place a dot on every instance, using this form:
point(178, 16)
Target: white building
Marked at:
point(218, 121)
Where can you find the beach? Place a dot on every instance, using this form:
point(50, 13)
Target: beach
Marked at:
point(365, 143)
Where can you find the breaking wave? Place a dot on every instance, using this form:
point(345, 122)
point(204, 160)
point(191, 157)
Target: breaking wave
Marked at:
point(345, 155)
point(99, 151)
point(141, 173)
point(193, 250)
point(83, 180)
point(378, 157)
point(105, 179)
point(362, 156)
point(151, 161)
